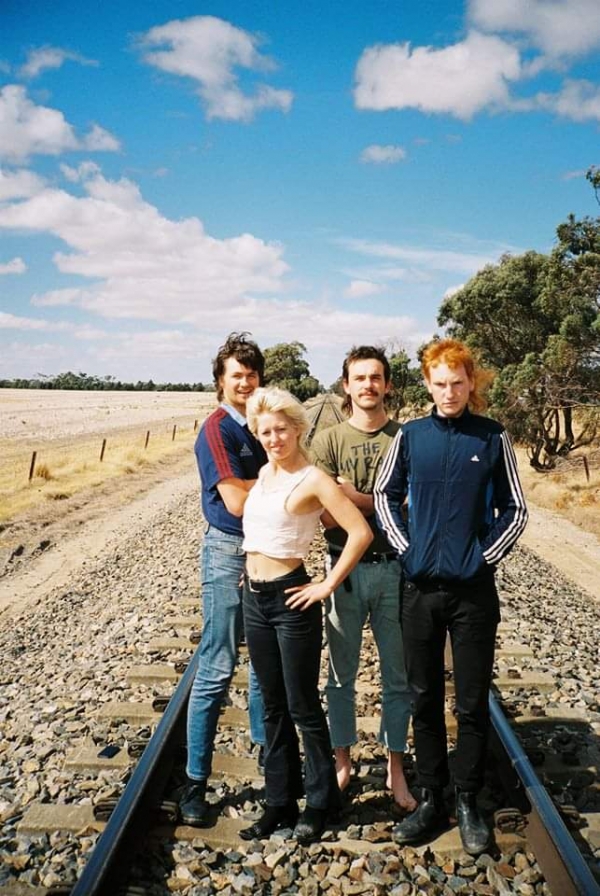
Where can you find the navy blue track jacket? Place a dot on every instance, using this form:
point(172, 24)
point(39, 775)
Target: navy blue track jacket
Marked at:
point(466, 508)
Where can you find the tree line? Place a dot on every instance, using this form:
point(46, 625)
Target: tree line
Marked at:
point(70, 380)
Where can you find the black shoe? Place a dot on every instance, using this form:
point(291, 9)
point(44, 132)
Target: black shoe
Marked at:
point(474, 832)
point(193, 807)
point(260, 761)
point(274, 818)
point(310, 826)
point(429, 818)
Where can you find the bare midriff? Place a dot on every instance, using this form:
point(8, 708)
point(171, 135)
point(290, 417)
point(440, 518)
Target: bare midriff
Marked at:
point(263, 569)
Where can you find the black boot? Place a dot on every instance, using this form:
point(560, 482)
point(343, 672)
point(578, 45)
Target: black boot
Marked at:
point(311, 825)
point(193, 808)
point(429, 818)
point(274, 818)
point(474, 832)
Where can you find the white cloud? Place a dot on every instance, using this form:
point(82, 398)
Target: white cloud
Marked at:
point(15, 266)
point(577, 100)
point(140, 264)
point(452, 290)
point(19, 184)
point(13, 322)
point(458, 80)
point(83, 171)
point(210, 50)
point(100, 140)
point(360, 289)
point(430, 259)
point(44, 58)
point(574, 175)
point(557, 27)
point(383, 155)
point(28, 129)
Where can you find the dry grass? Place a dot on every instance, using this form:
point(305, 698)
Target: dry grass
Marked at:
point(566, 490)
point(68, 446)
point(63, 472)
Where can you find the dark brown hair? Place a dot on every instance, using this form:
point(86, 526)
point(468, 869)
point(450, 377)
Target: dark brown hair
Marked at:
point(245, 352)
point(363, 353)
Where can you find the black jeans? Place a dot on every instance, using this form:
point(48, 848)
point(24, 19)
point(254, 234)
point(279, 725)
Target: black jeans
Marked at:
point(470, 613)
point(285, 649)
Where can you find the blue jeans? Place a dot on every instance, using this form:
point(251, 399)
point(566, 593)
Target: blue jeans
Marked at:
point(285, 647)
point(222, 562)
point(374, 595)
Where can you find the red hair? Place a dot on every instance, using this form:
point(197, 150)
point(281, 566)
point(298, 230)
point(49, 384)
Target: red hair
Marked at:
point(456, 354)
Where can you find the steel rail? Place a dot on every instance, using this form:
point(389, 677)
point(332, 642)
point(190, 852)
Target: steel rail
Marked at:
point(315, 422)
point(556, 852)
point(110, 862)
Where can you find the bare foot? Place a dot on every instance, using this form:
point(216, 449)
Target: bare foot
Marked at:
point(397, 782)
point(343, 766)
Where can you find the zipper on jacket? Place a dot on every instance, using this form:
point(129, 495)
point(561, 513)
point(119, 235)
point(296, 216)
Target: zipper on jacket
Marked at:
point(442, 535)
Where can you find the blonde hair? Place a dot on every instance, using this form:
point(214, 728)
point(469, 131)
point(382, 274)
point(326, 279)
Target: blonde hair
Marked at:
point(273, 400)
point(454, 353)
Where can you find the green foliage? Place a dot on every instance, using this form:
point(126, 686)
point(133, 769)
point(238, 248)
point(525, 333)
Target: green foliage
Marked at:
point(534, 319)
point(408, 392)
point(286, 367)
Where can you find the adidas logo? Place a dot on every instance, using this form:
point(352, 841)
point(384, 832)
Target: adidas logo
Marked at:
point(245, 452)
point(475, 459)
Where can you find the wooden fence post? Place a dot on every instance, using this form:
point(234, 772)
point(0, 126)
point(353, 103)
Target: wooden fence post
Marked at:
point(32, 465)
point(102, 450)
point(586, 467)
point(195, 425)
point(174, 431)
point(147, 440)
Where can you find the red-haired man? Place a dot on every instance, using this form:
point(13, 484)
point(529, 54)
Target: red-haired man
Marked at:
point(465, 512)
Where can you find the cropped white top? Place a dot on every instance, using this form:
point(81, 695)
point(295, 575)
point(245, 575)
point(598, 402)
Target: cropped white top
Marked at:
point(269, 527)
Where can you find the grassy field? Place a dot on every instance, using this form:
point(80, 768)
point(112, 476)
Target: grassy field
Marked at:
point(67, 430)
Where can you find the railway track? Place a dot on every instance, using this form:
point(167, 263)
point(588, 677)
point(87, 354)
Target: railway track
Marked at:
point(541, 759)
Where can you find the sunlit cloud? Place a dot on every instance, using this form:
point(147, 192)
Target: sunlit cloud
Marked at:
point(383, 155)
point(19, 184)
point(558, 27)
point(137, 263)
point(435, 259)
point(28, 129)
point(15, 266)
point(44, 58)
point(211, 51)
point(460, 80)
point(360, 289)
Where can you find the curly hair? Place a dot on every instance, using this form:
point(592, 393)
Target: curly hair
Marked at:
point(454, 354)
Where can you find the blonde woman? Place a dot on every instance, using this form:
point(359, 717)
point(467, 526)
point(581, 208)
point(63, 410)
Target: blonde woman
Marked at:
point(283, 613)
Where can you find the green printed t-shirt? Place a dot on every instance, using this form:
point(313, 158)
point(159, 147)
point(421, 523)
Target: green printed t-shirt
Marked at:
point(343, 450)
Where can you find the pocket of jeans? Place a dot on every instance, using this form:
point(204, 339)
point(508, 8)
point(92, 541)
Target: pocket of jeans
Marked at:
point(229, 548)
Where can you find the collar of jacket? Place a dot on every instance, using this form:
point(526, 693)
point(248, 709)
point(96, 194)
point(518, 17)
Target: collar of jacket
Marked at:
point(452, 422)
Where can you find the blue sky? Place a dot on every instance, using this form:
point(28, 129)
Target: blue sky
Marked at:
point(172, 171)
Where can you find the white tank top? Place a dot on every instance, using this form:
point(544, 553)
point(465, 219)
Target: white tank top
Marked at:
point(269, 527)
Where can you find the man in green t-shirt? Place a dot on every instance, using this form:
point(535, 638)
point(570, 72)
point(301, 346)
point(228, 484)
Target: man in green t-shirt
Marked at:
point(352, 452)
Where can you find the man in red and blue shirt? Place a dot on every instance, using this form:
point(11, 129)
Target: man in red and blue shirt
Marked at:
point(229, 458)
